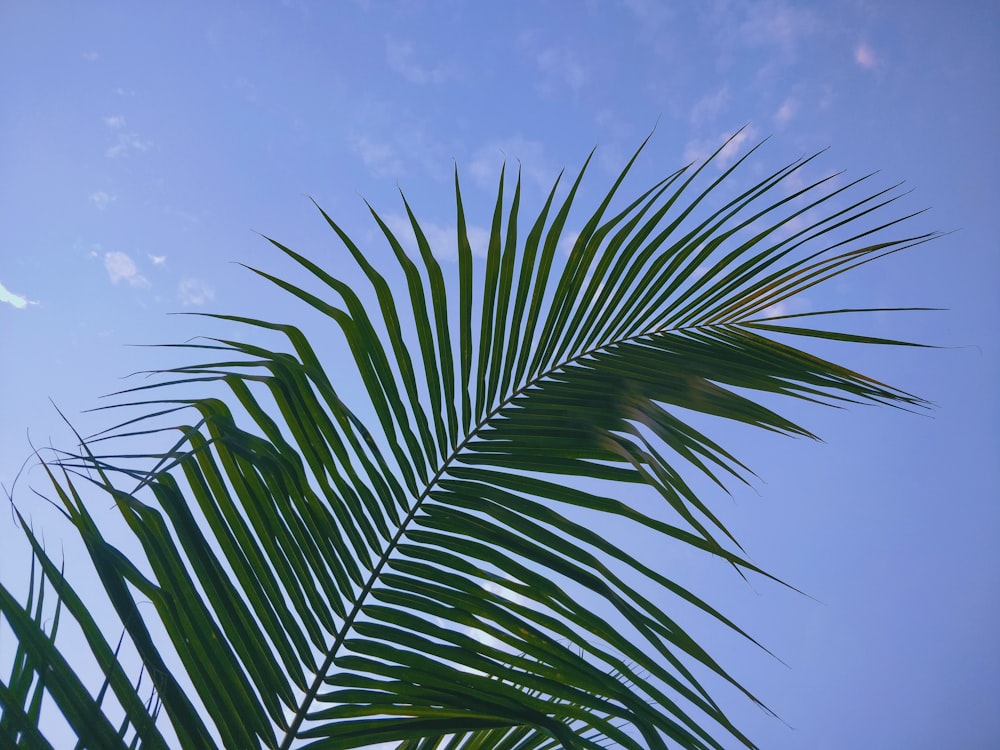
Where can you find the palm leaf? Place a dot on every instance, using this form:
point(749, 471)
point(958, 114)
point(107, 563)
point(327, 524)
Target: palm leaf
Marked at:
point(431, 574)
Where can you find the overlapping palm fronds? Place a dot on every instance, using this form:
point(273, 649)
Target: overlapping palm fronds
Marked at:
point(429, 577)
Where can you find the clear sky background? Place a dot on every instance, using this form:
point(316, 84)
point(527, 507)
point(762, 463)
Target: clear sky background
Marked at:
point(142, 145)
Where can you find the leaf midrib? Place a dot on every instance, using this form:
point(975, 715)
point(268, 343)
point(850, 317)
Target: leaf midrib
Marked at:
point(345, 629)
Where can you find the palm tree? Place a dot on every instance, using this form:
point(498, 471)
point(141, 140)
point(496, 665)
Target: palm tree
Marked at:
point(428, 569)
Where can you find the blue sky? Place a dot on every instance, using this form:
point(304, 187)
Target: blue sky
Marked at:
point(142, 147)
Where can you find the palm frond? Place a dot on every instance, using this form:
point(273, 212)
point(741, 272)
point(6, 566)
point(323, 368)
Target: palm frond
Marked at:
point(431, 575)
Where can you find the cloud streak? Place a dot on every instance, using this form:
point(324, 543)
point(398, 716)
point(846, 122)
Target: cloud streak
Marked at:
point(101, 199)
point(17, 301)
point(524, 154)
point(786, 111)
point(708, 108)
point(195, 292)
point(778, 24)
point(865, 57)
point(379, 157)
point(559, 68)
point(121, 267)
point(443, 240)
point(128, 143)
point(699, 150)
point(400, 58)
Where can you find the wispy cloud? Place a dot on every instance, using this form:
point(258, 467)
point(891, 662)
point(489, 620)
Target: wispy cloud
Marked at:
point(778, 24)
point(101, 199)
point(380, 157)
point(443, 240)
point(119, 91)
point(189, 219)
point(121, 267)
point(732, 149)
point(487, 160)
point(401, 58)
point(17, 301)
point(699, 150)
point(91, 56)
point(865, 57)
point(128, 143)
point(495, 590)
point(708, 108)
point(158, 260)
point(247, 89)
point(786, 111)
point(652, 14)
point(560, 68)
point(743, 30)
point(793, 306)
point(568, 241)
point(299, 5)
point(562, 65)
point(195, 292)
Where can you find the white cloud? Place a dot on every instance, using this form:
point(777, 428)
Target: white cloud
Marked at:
point(774, 23)
point(18, 301)
point(651, 13)
point(128, 143)
point(185, 216)
point(560, 68)
point(119, 91)
point(158, 260)
point(865, 56)
point(786, 111)
point(399, 56)
point(732, 149)
point(707, 108)
point(299, 5)
point(699, 150)
point(503, 592)
point(487, 160)
point(568, 241)
point(379, 156)
point(827, 98)
point(562, 65)
point(792, 306)
point(247, 89)
point(101, 199)
point(443, 240)
point(121, 267)
point(195, 292)
point(90, 56)
point(479, 239)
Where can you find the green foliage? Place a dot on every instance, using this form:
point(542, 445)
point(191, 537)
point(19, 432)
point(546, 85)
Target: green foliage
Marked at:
point(428, 576)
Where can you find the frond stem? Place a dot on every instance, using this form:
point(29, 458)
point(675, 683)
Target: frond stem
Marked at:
point(321, 673)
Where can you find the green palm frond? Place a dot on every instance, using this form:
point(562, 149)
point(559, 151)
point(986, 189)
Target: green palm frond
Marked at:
point(426, 569)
